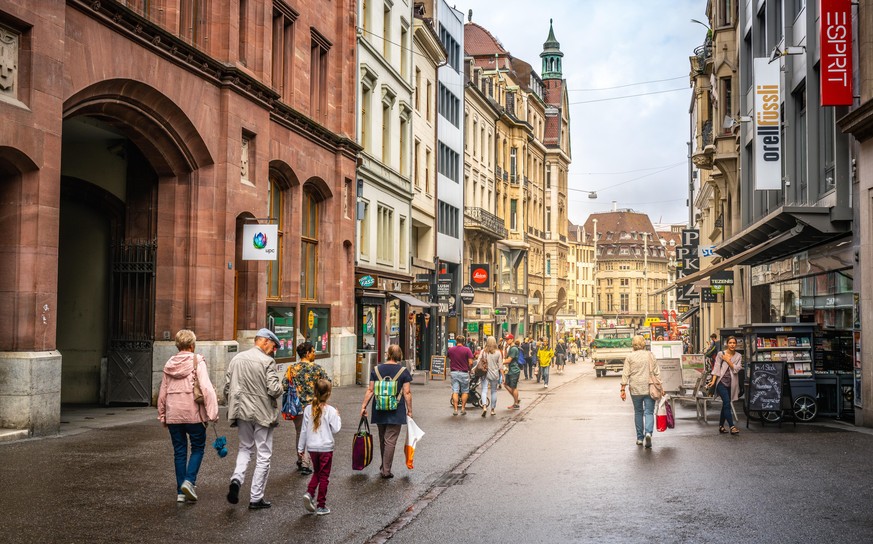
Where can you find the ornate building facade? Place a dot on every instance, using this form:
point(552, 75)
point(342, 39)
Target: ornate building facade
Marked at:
point(143, 143)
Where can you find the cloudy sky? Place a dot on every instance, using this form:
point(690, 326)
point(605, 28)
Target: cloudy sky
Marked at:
point(630, 150)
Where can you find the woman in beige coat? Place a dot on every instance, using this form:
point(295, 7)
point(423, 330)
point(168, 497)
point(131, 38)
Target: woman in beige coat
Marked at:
point(727, 384)
point(636, 375)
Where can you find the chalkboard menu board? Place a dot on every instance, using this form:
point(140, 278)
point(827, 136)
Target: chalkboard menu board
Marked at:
point(768, 387)
point(438, 366)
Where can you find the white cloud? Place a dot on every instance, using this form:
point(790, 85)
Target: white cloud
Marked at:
point(608, 43)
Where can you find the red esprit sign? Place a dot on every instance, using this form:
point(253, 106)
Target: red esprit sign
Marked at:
point(836, 53)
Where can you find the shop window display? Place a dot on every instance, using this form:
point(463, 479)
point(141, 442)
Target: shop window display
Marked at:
point(315, 324)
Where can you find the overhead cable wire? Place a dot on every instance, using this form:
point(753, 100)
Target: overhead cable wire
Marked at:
point(628, 84)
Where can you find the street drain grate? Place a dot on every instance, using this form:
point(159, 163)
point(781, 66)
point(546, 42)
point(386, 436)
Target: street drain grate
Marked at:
point(449, 479)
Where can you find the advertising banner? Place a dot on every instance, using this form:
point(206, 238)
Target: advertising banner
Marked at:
point(768, 144)
point(836, 53)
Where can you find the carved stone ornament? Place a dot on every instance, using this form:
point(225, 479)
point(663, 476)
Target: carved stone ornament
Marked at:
point(244, 160)
point(9, 50)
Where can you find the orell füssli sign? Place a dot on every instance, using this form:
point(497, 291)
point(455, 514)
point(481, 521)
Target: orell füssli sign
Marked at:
point(480, 276)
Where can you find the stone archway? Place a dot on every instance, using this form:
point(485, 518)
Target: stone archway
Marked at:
point(125, 139)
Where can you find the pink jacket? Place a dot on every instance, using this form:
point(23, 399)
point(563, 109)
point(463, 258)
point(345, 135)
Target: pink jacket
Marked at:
point(176, 398)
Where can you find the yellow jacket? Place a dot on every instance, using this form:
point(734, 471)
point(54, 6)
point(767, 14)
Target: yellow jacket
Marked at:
point(545, 356)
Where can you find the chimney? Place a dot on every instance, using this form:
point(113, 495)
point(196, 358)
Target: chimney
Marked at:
point(615, 205)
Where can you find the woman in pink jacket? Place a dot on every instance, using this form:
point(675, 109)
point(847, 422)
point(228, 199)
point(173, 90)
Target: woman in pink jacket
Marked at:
point(185, 418)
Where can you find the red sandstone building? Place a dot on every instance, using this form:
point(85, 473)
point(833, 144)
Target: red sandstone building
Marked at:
point(137, 139)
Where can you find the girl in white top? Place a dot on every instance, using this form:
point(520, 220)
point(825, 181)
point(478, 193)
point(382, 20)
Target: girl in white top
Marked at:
point(321, 422)
point(492, 357)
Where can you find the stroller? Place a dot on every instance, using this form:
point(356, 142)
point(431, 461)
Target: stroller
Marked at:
point(473, 397)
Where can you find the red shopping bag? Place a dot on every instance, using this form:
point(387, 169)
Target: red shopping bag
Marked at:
point(661, 418)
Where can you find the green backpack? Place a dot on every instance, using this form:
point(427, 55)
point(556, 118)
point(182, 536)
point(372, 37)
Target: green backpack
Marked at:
point(386, 391)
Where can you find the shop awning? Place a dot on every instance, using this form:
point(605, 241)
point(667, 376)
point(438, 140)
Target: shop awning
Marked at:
point(740, 258)
point(411, 300)
point(688, 314)
point(813, 225)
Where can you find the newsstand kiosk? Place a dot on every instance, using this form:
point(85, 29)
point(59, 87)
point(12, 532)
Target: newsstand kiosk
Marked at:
point(790, 345)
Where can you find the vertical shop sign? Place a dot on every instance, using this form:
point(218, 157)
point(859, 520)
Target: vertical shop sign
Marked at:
point(836, 53)
point(768, 127)
point(688, 262)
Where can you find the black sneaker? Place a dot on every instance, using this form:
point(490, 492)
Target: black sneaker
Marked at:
point(261, 504)
point(306, 471)
point(233, 492)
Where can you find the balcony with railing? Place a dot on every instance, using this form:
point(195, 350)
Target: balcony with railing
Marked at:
point(704, 55)
point(704, 150)
point(498, 171)
point(484, 220)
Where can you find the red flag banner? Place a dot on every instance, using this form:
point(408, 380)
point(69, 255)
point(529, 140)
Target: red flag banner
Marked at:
point(836, 53)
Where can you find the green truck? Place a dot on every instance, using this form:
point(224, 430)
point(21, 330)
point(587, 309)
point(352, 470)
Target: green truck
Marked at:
point(611, 347)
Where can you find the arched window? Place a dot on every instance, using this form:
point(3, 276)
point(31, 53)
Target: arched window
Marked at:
point(309, 246)
point(276, 202)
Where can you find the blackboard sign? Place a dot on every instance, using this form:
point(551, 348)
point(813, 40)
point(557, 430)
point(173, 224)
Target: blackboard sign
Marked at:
point(767, 387)
point(438, 366)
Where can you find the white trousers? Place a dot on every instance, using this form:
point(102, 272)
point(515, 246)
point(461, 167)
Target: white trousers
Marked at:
point(252, 435)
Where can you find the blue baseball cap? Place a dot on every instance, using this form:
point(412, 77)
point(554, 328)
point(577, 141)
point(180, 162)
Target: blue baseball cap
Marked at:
point(268, 334)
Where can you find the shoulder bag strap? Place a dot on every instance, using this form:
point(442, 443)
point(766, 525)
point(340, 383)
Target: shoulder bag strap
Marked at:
point(378, 374)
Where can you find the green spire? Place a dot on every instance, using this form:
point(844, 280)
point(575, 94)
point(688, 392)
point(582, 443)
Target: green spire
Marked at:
point(551, 55)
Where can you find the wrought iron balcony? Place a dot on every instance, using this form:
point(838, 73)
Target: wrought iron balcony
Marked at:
point(706, 133)
point(498, 171)
point(703, 54)
point(513, 179)
point(481, 218)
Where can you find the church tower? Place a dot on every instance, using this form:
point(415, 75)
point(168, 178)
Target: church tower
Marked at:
point(551, 56)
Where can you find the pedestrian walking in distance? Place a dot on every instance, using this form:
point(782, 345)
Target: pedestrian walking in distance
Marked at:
point(727, 383)
point(321, 422)
point(545, 355)
point(389, 420)
point(513, 370)
point(561, 355)
point(252, 390)
point(304, 374)
point(494, 363)
point(635, 374)
point(183, 415)
point(460, 362)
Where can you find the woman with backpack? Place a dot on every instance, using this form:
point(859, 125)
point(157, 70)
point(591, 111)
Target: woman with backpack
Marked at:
point(491, 361)
point(392, 403)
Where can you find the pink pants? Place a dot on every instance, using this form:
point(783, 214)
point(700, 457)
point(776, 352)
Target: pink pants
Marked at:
point(321, 463)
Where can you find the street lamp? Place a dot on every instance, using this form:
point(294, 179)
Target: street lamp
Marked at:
point(591, 194)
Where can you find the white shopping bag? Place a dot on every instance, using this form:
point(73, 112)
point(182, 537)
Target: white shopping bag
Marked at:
point(413, 435)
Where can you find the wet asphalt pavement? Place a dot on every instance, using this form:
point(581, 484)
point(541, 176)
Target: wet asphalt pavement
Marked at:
point(563, 469)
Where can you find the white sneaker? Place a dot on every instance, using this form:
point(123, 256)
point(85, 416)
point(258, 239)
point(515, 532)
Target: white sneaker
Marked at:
point(639, 442)
point(180, 498)
point(189, 491)
point(648, 440)
point(545, 385)
point(323, 511)
point(308, 502)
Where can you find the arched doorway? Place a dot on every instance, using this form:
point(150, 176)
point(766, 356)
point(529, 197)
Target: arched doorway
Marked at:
point(106, 266)
point(121, 141)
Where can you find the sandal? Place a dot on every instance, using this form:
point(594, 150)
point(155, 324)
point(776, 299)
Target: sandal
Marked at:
point(734, 430)
point(722, 430)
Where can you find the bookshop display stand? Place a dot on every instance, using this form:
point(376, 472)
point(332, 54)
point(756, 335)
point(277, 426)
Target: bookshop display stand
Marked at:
point(788, 348)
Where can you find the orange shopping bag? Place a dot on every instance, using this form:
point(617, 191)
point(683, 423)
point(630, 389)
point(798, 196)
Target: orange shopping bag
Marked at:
point(413, 435)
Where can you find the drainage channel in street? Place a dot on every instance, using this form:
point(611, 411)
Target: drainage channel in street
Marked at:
point(457, 474)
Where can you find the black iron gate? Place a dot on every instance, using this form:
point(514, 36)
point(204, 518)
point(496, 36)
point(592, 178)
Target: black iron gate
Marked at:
point(131, 325)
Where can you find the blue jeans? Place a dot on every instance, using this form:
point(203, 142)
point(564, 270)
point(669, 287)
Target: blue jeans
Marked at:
point(460, 382)
point(490, 386)
point(544, 374)
point(644, 403)
point(724, 393)
point(187, 468)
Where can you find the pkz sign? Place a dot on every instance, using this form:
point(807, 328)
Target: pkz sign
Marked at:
point(688, 262)
point(836, 53)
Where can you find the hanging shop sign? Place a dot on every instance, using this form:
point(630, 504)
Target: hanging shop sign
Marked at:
point(688, 261)
point(768, 148)
point(467, 294)
point(725, 277)
point(259, 242)
point(836, 53)
point(366, 280)
point(706, 295)
point(480, 276)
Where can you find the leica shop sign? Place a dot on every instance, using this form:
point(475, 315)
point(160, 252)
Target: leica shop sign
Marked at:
point(480, 276)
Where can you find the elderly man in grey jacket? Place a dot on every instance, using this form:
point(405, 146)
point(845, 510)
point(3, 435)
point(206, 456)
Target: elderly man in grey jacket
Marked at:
point(252, 390)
